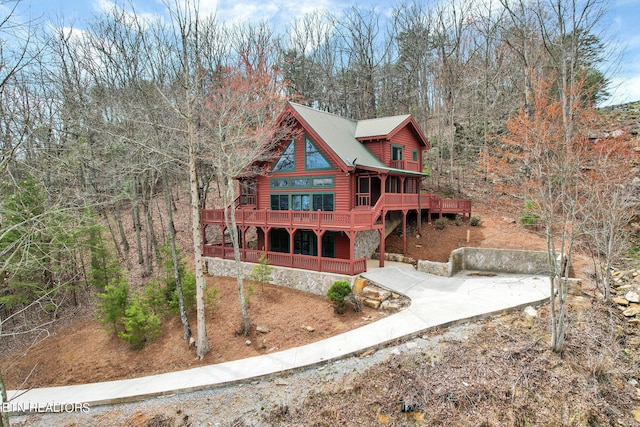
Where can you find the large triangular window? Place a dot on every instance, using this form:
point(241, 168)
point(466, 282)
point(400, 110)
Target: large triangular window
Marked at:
point(313, 158)
point(287, 162)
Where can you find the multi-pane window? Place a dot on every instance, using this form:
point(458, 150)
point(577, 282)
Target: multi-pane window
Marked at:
point(300, 202)
point(279, 202)
point(313, 157)
point(287, 162)
point(303, 202)
point(323, 202)
point(396, 152)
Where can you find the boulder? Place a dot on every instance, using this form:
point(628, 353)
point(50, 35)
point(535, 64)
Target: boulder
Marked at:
point(358, 285)
point(620, 301)
point(371, 292)
point(372, 303)
point(632, 296)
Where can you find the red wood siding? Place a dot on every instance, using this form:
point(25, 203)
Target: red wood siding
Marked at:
point(407, 138)
point(376, 148)
point(342, 246)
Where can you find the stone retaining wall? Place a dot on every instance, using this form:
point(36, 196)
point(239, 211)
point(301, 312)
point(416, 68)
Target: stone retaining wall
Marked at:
point(490, 260)
point(304, 280)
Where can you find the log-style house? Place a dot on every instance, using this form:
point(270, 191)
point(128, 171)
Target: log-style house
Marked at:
point(332, 194)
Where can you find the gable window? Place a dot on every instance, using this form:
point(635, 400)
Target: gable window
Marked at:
point(313, 158)
point(287, 162)
point(414, 155)
point(396, 152)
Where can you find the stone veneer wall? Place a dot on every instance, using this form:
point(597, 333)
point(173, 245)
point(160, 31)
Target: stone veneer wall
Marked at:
point(304, 280)
point(490, 260)
point(366, 243)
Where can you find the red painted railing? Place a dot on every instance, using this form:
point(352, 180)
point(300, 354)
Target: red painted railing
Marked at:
point(357, 219)
point(409, 165)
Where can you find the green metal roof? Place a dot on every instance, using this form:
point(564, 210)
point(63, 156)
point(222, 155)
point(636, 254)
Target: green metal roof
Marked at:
point(340, 135)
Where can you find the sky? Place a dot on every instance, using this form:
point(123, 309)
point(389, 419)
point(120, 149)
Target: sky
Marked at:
point(621, 24)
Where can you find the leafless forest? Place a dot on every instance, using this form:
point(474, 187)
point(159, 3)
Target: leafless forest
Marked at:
point(110, 123)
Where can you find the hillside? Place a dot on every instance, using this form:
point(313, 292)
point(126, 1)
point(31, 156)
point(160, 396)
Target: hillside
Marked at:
point(499, 371)
point(494, 372)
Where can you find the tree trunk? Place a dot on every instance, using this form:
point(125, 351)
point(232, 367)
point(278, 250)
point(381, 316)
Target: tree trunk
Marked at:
point(230, 221)
point(202, 341)
point(135, 210)
point(186, 328)
point(123, 237)
point(4, 421)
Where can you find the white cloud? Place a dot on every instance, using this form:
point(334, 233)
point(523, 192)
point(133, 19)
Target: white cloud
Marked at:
point(624, 89)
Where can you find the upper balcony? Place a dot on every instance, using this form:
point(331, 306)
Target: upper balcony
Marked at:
point(408, 165)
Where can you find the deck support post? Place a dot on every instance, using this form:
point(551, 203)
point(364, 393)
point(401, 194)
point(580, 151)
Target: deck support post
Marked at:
point(319, 233)
point(404, 231)
point(382, 239)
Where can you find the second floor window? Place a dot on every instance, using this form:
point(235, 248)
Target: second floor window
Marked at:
point(396, 152)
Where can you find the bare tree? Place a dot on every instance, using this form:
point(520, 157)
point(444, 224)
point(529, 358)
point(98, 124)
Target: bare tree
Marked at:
point(239, 113)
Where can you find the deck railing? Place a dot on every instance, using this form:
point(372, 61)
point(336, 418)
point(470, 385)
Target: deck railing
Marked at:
point(306, 262)
point(357, 219)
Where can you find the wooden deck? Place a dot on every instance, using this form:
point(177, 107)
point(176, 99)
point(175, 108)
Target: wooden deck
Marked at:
point(358, 219)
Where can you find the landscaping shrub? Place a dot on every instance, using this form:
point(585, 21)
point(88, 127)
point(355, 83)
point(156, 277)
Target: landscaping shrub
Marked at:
point(262, 272)
point(440, 223)
point(140, 325)
point(475, 221)
point(113, 303)
point(458, 220)
point(337, 292)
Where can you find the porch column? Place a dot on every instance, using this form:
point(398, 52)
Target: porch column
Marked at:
point(382, 239)
point(243, 244)
point(404, 231)
point(419, 186)
point(267, 239)
point(352, 249)
point(292, 232)
point(319, 234)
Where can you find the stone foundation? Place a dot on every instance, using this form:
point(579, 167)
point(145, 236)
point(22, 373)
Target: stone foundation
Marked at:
point(304, 280)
